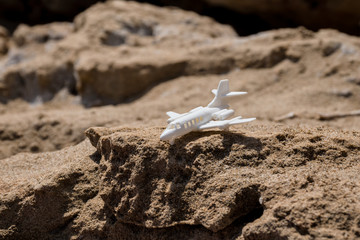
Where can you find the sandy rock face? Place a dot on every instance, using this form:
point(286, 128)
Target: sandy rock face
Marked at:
point(42, 194)
point(179, 192)
point(214, 178)
point(264, 182)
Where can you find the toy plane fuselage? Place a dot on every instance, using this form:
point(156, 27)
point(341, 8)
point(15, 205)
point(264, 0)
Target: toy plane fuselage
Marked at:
point(200, 118)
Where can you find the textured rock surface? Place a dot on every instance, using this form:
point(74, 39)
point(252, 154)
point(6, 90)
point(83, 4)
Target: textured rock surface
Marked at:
point(42, 194)
point(184, 188)
point(263, 182)
point(213, 178)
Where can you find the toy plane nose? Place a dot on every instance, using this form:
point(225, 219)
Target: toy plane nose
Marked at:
point(168, 135)
point(165, 136)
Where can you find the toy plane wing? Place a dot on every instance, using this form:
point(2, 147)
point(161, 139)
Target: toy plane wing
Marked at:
point(225, 123)
point(213, 124)
point(230, 94)
point(173, 114)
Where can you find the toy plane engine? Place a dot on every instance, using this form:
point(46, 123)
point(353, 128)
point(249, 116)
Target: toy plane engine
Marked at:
point(223, 114)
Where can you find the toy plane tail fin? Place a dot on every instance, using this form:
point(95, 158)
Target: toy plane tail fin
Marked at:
point(222, 94)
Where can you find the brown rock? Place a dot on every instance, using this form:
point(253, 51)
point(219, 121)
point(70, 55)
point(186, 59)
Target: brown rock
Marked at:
point(305, 180)
point(42, 195)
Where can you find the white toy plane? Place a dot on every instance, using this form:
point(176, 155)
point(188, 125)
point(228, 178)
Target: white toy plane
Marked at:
point(213, 115)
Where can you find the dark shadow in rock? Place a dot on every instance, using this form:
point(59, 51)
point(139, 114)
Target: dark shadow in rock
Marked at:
point(118, 230)
point(251, 155)
point(237, 226)
point(96, 156)
point(229, 138)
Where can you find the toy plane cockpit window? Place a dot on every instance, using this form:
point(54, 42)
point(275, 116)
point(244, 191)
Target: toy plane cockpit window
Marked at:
point(171, 126)
point(178, 126)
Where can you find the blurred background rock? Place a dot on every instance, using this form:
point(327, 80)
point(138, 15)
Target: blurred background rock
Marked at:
point(246, 16)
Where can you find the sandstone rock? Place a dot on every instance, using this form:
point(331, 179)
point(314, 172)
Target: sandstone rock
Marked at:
point(42, 195)
point(271, 182)
point(213, 178)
